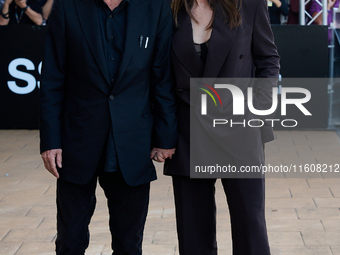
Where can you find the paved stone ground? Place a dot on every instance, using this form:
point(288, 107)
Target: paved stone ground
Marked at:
point(303, 214)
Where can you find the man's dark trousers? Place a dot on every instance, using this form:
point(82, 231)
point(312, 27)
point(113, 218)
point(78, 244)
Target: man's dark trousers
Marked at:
point(128, 206)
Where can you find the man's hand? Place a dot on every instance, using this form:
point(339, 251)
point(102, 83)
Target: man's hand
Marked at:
point(160, 155)
point(50, 158)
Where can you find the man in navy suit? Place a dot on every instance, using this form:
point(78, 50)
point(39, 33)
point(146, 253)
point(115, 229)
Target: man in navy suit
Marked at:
point(106, 104)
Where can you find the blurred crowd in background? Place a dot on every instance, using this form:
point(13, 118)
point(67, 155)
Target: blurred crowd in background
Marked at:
point(36, 12)
point(283, 12)
point(25, 12)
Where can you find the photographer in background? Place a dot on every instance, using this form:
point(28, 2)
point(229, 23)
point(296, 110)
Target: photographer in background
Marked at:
point(276, 8)
point(46, 9)
point(315, 8)
point(19, 12)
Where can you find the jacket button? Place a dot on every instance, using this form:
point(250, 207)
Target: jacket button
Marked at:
point(112, 98)
point(242, 56)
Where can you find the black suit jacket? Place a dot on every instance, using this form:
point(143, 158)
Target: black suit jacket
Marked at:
point(77, 102)
point(243, 52)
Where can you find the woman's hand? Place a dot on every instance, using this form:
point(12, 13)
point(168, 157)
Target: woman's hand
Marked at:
point(160, 155)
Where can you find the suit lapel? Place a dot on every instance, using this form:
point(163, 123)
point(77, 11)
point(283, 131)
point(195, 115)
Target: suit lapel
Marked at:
point(221, 41)
point(88, 16)
point(135, 19)
point(183, 46)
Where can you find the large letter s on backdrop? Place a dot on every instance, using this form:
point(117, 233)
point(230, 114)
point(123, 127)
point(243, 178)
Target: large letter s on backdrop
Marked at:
point(29, 78)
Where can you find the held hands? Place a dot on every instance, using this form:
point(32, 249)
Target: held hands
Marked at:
point(160, 155)
point(21, 3)
point(50, 158)
point(53, 158)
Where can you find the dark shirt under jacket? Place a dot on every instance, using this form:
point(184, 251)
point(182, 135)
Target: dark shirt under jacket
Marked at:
point(275, 13)
point(202, 51)
point(113, 29)
point(22, 18)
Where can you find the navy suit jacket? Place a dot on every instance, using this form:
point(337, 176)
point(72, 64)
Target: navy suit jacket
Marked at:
point(77, 102)
point(247, 51)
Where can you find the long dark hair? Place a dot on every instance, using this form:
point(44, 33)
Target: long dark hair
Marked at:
point(230, 10)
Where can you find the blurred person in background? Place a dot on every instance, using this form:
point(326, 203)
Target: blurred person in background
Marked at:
point(46, 9)
point(276, 8)
point(21, 12)
point(293, 15)
point(315, 8)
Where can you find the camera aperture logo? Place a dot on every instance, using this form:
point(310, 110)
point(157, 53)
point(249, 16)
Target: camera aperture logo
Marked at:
point(238, 104)
point(204, 97)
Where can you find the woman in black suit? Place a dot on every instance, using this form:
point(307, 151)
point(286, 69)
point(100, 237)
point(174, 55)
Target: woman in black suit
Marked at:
point(221, 38)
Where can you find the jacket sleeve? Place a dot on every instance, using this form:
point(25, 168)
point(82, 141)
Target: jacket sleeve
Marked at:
point(52, 80)
point(266, 59)
point(162, 84)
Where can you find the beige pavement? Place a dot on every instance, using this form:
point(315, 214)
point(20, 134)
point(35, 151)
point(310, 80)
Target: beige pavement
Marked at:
point(303, 214)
